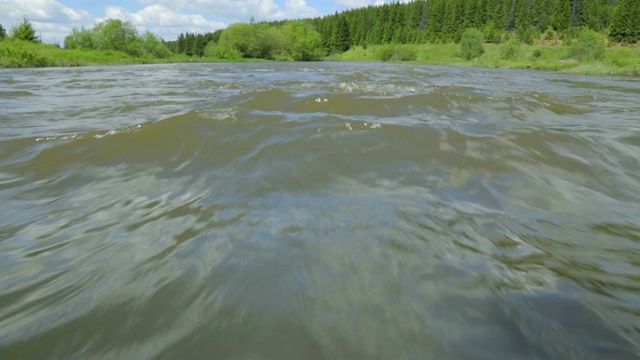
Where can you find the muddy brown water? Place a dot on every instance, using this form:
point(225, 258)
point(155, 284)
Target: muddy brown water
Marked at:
point(318, 211)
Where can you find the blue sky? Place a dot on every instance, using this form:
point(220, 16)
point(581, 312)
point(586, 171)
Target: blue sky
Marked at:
point(54, 19)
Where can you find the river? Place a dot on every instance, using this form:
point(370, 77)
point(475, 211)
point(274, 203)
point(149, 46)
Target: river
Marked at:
point(318, 211)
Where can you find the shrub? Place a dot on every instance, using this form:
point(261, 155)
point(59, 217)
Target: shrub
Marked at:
point(511, 49)
point(79, 39)
point(492, 35)
point(537, 54)
point(226, 51)
point(385, 53)
point(471, 44)
point(590, 46)
point(549, 34)
point(405, 53)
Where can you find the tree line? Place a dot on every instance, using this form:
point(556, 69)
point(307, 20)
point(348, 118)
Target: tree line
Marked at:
point(118, 35)
point(415, 22)
point(429, 21)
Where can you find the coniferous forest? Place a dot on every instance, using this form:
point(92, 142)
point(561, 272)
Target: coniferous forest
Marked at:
point(444, 21)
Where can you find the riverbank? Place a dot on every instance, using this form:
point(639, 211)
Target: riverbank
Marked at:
point(618, 60)
point(22, 54)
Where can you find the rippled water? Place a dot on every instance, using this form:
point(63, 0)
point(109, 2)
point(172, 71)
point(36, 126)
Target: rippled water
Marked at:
point(318, 211)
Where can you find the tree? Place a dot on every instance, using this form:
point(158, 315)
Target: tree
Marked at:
point(249, 40)
point(79, 39)
point(24, 31)
point(343, 37)
point(626, 22)
point(3, 33)
point(471, 44)
point(153, 45)
point(562, 15)
point(590, 46)
point(115, 34)
point(303, 42)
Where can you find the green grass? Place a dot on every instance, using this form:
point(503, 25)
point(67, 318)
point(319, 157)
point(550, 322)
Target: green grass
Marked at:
point(618, 60)
point(20, 54)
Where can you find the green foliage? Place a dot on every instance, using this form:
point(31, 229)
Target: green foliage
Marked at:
point(399, 52)
point(342, 36)
point(210, 49)
point(549, 34)
point(471, 44)
point(385, 53)
point(589, 47)
point(405, 53)
point(511, 49)
point(225, 50)
point(537, 54)
point(115, 34)
point(562, 15)
point(24, 31)
point(79, 39)
point(303, 42)
point(16, 53)
point(492, 35)
point(626, 22)
point(3, 33)
point(249, 40)
point(153, 45)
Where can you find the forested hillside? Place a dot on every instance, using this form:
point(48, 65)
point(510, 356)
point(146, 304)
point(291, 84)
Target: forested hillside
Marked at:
point(444, 21)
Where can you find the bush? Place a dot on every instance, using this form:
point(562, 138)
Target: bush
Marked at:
point(511, 49)
point(114, 34)
point(405, 53)
point(590, 46)
point(224, 50)
point(492, 35)
point(537, 54)
point(621, 57)
point(549, 34)
point(471, 44)
point(385, 53)
point(397, 53)
point(79, 39)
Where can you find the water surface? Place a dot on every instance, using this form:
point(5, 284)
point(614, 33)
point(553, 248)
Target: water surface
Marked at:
point(318, 211)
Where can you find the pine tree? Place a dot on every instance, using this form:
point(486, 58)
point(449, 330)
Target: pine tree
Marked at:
point(24, 31)
point(626, 22)
point(343, 37)
point(181, 44)
point(562, 15)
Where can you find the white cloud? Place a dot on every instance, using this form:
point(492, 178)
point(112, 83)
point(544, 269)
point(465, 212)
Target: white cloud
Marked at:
point(294, 9)
point(230, 9)
point(353, 3)
point(42, 11)
point(364, 3)
point(163, 21)
point(241, 10)
point(52, 20)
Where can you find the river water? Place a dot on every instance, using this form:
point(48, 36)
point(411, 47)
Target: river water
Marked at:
point(318, 211)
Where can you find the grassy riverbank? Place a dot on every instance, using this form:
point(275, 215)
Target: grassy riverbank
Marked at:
point(618, 60)
point(23, 54)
